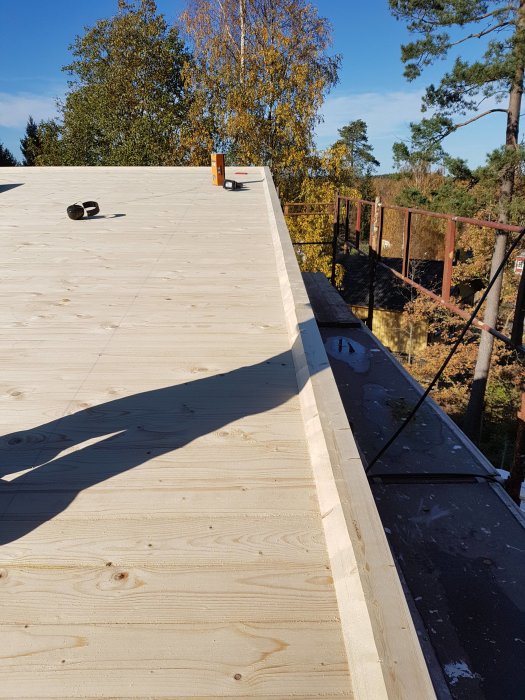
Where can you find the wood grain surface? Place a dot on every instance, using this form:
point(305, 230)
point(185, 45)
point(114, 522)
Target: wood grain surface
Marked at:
point(159, 522)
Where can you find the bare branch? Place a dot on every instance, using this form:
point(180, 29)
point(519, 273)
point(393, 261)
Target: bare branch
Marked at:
point(494, 13)
point(478, 35)
point(455, 127)
point(479, 116)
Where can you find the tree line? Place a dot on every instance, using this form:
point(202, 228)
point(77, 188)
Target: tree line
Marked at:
point(242, 77)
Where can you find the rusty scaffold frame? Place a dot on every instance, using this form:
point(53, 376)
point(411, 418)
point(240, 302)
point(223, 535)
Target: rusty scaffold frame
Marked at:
point(343, 238)
point(346, 236)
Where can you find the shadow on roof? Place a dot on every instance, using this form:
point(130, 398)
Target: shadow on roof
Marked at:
point(5, 188)
point(129, 431)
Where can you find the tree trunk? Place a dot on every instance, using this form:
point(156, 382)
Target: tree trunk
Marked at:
point(242, 20)
point(472, 423)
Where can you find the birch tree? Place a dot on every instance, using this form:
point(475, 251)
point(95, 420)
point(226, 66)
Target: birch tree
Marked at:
point(258, 77)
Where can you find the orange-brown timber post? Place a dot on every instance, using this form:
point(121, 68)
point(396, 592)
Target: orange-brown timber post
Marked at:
point(217, 169)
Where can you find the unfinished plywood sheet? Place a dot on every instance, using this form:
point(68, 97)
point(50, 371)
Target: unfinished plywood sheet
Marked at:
point(161, 535)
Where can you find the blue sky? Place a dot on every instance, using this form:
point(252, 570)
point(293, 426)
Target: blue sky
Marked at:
point(36, 36)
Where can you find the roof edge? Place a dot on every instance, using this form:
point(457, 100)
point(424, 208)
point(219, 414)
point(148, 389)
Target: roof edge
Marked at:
point(384, 655)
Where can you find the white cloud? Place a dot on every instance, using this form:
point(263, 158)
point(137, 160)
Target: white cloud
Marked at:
point(387, 115)
point(16, 108)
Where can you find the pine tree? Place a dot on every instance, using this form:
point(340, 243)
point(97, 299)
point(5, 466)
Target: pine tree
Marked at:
point(498, 74)
point(359, 158)
point(6, 157)
point(51, 148)
point(30, 145)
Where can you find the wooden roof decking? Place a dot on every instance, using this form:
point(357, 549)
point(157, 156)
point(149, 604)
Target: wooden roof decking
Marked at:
point(163, 464)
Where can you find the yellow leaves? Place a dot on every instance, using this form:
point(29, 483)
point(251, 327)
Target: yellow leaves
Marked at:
point(268, 116)
point(452, 393)
point(477, 246)
point(333, 161)
point(313, 233)
point(312, 229)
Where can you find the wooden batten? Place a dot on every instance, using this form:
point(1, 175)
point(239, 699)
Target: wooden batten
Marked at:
point(384, 654)
point(217, 169)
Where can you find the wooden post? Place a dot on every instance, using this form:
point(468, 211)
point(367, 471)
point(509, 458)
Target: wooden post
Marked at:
point(217, 169)
point(517, 472)
point(375, 226)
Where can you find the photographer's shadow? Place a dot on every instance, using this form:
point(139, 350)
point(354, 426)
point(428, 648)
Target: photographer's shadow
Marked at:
point(125, 433)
